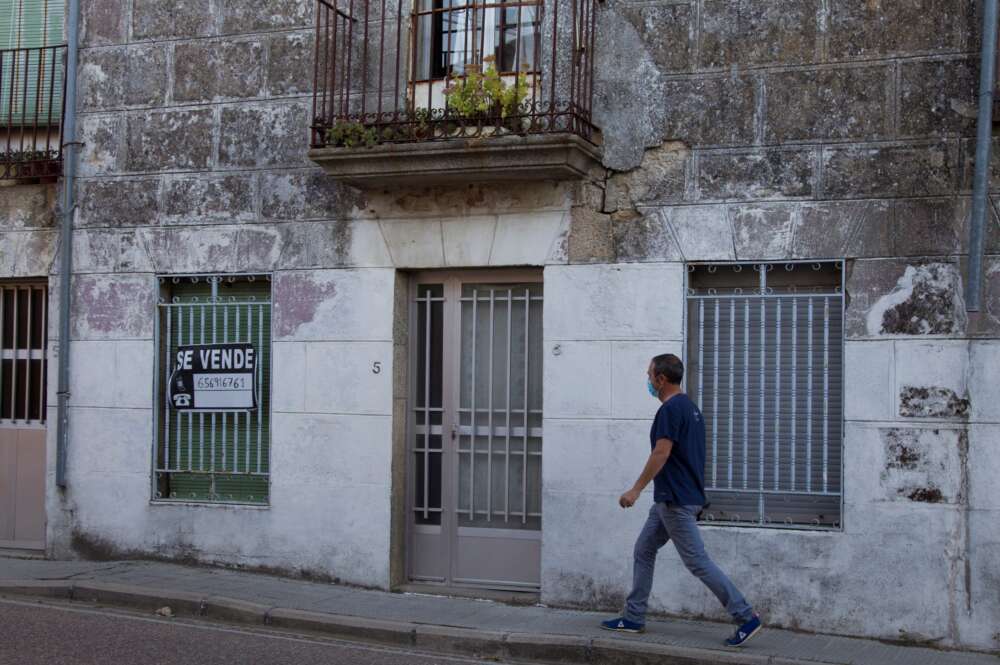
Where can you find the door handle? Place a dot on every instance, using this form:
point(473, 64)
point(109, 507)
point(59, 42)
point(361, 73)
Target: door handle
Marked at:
point(454, 431)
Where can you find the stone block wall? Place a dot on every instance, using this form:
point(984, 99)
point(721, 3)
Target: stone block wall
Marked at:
point(29, 235)
point(733, 130)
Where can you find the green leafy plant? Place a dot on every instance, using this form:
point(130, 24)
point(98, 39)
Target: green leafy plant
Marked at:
point(351, 135)
point(483, 94)
point(422, 128)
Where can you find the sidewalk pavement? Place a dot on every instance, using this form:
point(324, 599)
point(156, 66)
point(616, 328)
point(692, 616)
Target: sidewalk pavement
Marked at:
point(481, 628)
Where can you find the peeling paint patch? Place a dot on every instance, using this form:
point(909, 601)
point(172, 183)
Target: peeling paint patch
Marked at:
point(113, 307)
point(927, 300)
point(27, 253)
point(923, 464)
point(297, 297)
point(932, 402)
point(901, 456)
point(27, 207)
point(925, 495)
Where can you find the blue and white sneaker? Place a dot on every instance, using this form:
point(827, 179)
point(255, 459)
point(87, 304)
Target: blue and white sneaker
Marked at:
point(745, 632)
point(623, 625)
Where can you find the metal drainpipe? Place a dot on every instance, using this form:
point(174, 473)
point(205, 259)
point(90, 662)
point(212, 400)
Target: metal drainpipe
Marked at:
point(984, 139)
point(66, 237)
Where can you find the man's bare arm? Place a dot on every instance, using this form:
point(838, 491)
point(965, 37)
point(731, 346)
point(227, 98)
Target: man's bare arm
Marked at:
point(657, 458)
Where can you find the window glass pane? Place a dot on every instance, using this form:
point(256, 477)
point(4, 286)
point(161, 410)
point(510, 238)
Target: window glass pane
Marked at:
point(23, 362)
point(425, 42)
point(452, 34)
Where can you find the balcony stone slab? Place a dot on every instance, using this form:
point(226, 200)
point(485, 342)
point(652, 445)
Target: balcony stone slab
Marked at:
point(461, 160)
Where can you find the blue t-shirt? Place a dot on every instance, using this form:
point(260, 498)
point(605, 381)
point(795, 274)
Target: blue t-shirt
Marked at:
point(682, 479)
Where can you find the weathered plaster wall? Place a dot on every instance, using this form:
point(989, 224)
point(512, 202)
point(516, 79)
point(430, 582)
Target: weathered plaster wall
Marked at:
point(28, 231)
point(736, 129)
point(195, 122)
point(752, 130)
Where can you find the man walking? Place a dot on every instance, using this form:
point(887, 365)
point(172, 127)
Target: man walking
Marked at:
point(676, 466)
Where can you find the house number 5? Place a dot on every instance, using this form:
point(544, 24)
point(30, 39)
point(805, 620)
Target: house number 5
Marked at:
point(376, 367)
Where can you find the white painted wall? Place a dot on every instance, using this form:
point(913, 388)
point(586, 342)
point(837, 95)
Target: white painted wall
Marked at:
point(330, 450)
point(331, 438)
point(898, 568)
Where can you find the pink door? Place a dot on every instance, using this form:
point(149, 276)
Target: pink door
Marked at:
point(23, 365)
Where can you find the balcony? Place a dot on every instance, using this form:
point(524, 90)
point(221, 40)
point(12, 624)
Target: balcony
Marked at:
point(32, 87)
point(454, 91)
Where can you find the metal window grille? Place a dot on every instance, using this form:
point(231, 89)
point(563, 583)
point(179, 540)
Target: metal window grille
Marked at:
point(429, 406)
point(32, 83)
point(498, 424)
point(23, 353)
point(500, 408)
point(765, 365)
point(386, 68)
point(221, 456)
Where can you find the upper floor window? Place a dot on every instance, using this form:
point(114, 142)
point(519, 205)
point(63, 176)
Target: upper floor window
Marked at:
point(32, 80)
point(26, 24)
point(454, 33)
point(442, 69)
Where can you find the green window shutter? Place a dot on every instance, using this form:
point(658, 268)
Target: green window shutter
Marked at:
point(31, 23)
point(200, 447)
point(31, 87)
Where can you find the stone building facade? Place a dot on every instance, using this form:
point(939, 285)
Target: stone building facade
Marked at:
point(760, 133)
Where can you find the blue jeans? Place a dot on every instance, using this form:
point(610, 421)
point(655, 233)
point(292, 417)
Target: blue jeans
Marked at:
point(669, 521)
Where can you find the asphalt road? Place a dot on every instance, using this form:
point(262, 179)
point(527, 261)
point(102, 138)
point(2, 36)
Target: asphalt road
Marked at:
point(33, 633)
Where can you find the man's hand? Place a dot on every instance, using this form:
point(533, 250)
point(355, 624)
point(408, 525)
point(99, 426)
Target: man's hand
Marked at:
point(628, 499)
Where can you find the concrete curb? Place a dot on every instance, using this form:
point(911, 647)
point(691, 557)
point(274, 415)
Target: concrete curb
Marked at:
point(127, 595)
point(394, 633)
point(549, 648)
point(46, 588)
point(235, 611)
point(465, 641)
point(447, 639)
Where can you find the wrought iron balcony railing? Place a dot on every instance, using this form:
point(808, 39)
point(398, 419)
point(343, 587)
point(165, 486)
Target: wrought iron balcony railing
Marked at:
point(32, 88)
point(451, 69)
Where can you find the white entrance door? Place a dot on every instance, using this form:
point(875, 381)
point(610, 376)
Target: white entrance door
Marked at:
point(476, 429)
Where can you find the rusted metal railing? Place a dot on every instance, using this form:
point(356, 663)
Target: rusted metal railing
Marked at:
point(32, 87)
point(389, 74)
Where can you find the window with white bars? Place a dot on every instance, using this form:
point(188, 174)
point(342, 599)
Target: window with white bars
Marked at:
point(224, 455)
point(765, 365)
point(23, 353)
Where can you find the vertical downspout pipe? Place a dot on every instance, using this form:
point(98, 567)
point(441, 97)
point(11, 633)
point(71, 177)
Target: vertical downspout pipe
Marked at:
point(984, 140)
point(66, 236)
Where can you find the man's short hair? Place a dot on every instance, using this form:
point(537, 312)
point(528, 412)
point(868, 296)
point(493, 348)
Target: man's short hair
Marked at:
point(670, 366)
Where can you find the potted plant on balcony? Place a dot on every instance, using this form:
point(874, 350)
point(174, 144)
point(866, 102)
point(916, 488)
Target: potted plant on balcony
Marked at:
point(484, 104)
point(348, 134)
